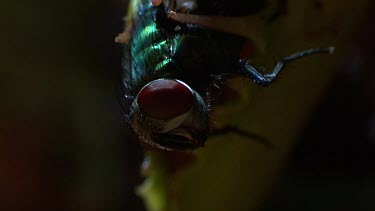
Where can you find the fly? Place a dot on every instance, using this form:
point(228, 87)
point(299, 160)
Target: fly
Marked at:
point(176, 52)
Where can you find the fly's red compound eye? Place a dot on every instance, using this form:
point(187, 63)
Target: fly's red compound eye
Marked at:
point(165, 98)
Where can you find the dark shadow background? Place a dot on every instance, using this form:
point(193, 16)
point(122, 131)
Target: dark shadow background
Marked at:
point(64, 144)
point(63, 141)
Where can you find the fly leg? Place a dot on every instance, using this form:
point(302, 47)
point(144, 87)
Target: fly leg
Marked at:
point(171, 3)
point(156, 2)
point(180, 6)
point(249, 26)
point(265, 79)
point(125, 36)
point(232, 129)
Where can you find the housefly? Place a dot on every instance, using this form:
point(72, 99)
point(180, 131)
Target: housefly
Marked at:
point(176, 52)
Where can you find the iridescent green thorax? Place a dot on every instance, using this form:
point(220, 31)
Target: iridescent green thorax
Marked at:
point(151, 51)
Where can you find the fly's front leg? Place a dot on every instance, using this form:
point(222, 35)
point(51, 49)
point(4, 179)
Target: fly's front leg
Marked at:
point(228, 129)
point(156, 2)
point(180, 6)
point(249, 26)
point(125, 36)
point(170, 4)
point(249, 71)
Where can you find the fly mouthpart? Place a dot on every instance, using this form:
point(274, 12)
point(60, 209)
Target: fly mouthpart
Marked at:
point(181, 141)
point(184, 132)
point(176, 142)
point(178, 139)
